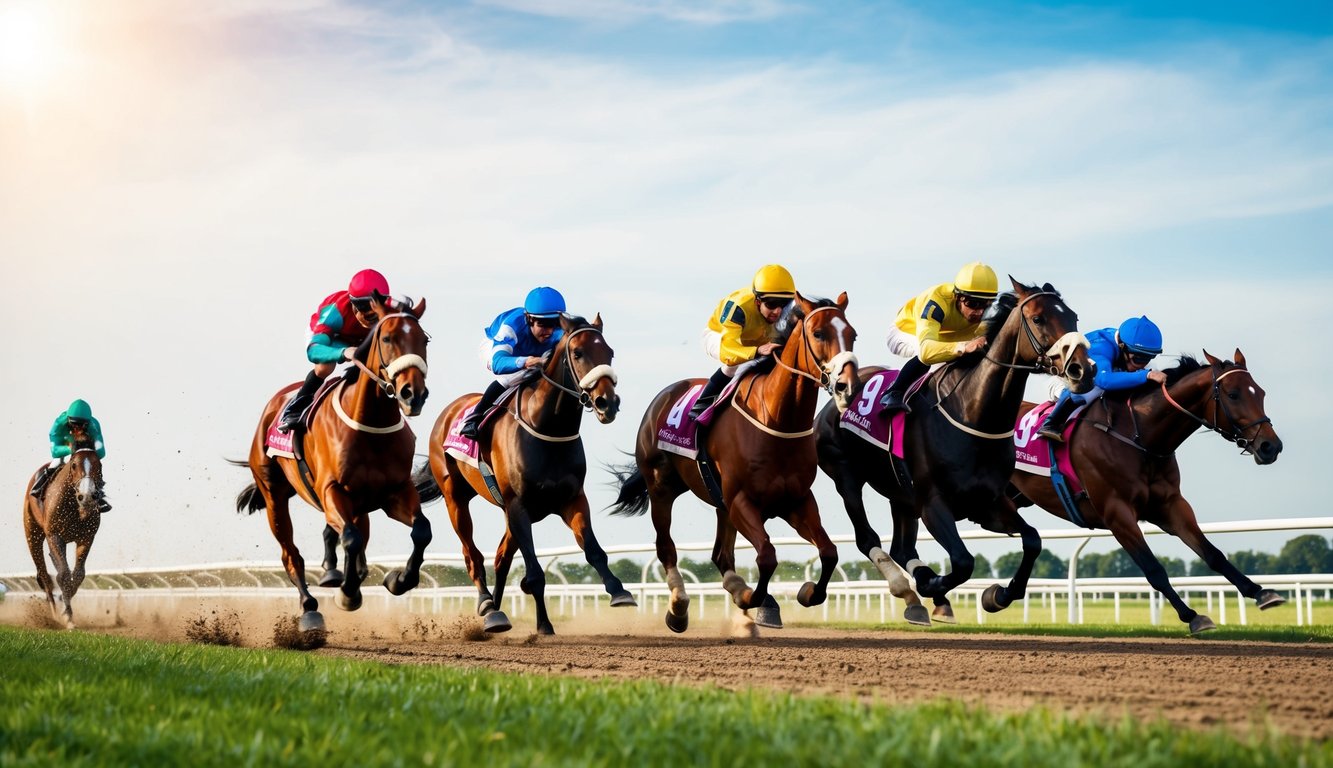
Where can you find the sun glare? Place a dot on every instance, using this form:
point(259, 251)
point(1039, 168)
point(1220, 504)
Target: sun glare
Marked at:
point(28, 46)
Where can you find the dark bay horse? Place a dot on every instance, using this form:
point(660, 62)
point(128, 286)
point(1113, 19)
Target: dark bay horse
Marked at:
point(359, 450)
point(762, 448)
point(1123, 451)
point(536, 455)
point(68, 511)
point(958, 452)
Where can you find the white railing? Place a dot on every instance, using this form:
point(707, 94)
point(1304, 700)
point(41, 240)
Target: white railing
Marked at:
point(848, 596)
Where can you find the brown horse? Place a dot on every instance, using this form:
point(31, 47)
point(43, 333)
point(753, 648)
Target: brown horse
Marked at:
point(359, 450)
point(1123, 451)
point(762, 449)
point(539, 466)
point(958, 453)
point(68, 511)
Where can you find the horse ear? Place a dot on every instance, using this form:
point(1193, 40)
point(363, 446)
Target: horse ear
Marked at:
point(1211, 360)
point(1240, 358)
point(1019, 288)
point(841, 301)
point(419, 308)
point(804, 304)
point(597, 321)
point(1048, 288)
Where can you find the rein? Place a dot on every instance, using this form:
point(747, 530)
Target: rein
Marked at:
point(395, 366)
point(1044, 363)
point(825, 379)
point(582, 393)
point(1237, 433)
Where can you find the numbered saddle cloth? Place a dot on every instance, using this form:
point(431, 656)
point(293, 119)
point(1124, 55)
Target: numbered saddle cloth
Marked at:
point(677, 432)
point(467, 450)
point(1036, 454)
point(277, 443)
point(866, 419)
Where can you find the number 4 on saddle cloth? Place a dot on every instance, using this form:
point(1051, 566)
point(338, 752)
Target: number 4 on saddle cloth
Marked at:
point(679, 434)
point(1039, 456)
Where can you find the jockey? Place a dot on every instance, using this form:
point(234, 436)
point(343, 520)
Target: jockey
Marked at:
point(517, 341)
point(77, 418)
point(337, 328)
point(942, 324)
point(1121, 356)
point(743, 327)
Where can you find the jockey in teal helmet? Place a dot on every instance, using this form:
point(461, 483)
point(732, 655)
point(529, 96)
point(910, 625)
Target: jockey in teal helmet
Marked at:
point(339, 325)
point(517, 341)
point(1121, 356)
point(74, 428)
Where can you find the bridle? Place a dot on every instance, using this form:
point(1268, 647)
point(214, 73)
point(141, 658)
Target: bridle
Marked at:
point(827, 371)
point(582, 388)
point(396, 366)
point(1237, 433)
point(1045, 362)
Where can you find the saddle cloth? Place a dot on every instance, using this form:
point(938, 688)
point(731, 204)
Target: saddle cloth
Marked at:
point(677, 433)
point(278, 443)
point(467, 450)
point(1033, 453)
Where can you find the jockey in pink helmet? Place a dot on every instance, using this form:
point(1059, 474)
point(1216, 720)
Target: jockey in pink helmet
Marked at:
point(337, 328)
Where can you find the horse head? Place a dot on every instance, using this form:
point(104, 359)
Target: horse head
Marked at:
point(827, 340)
point(1050, 341)
point(583, 351)
point(84, 477)
point(1238, 409)
point(395, 352)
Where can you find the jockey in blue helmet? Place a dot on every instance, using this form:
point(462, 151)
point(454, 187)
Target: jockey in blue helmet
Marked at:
point(1122, 356)
point(517, 341)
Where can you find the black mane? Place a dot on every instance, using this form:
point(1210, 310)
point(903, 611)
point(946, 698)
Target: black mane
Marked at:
point(1186, 366)
point(787, 323)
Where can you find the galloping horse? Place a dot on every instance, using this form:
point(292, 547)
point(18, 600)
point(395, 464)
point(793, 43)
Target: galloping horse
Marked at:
point(1124, 454)
point(957, 448)
point(538, 466)
point(359, 452)
point(68, 511)
point(763, 452)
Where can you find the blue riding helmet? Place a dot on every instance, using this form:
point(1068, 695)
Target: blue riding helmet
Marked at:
point(544, 302)
point(1140, 336)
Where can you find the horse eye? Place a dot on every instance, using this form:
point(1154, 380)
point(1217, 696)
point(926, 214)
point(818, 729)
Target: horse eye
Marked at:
point(1039, 319)
point(578, 354)
point(1233, 395)
point(819, 335)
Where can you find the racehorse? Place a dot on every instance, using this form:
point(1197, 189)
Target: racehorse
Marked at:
point(1123, 451)
point(762, 450)
point(537, 464)
point(68, 511)
point(359, 451)
point(958, 455)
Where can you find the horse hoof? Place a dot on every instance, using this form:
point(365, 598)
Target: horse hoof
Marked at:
point(944, 614)
point(496, 621)
point(545, 629)
point(395, 583)
point(347, 602)
point(331, 578)
point(994, 599)
point(676, 623)
point(311, 621)
point(806, 595)
point(486, 606)
point(916, 614)
point(768, 615)
point(1267, 598)
point(1201, 623)
point(623, 599)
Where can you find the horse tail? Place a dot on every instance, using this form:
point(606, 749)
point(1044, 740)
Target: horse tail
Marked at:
point(633, 498)
point(250, 500)
point(424, 480)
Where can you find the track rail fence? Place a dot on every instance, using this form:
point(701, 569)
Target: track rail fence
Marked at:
point(848, 598)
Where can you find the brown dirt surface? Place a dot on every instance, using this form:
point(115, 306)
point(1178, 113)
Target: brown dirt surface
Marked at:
point(1192, 682)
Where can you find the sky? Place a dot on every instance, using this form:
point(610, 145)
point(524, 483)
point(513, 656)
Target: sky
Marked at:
point(181, 183)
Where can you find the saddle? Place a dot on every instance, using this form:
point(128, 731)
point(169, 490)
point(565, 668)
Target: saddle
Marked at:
point(1037, 455)
point(288, 444)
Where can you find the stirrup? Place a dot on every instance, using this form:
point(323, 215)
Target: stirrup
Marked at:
point(891, 404)
point(699, 407)
point(469, 429)
point(103, 506)
point(1049, 432)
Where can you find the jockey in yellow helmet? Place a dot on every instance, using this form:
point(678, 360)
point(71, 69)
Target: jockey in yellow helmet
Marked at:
point(943, 323)
point(744, 327)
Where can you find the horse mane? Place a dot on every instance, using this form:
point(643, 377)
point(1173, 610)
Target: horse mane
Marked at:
point(999, 313)
point(793, 313)
point(1186, 366)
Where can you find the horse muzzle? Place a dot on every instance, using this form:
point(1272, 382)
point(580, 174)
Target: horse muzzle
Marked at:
point(844, 367)
point(1266, 451)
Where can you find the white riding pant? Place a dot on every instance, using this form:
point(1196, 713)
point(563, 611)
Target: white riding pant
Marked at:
point(507, 379)
point(712, 341)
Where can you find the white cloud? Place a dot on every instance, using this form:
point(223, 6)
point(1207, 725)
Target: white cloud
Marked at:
point(704, 12)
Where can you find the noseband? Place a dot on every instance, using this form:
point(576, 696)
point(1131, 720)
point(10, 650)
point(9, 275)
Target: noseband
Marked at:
point(396, 366)
point(1044, 363)
point(582, 389)
point(827, 371)
point(1237, 433)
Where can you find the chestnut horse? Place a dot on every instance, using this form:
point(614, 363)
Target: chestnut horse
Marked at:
point(1123, 451)
point(539, 466)
point(359, 450)
point(958, 453)
point(762, 449)
point(68, 511)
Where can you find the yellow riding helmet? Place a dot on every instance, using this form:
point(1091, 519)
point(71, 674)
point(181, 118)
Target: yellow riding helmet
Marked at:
point(977, 280)
point(774, 280)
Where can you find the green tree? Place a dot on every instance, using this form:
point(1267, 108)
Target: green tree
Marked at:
point(1305, 554)
point(627, 570)
point(1048, 566)
point(1248, 561)
point(981, 568)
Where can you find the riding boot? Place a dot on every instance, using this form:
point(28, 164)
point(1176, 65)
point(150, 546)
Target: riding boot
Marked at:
point(291, 415)
point(103, 506)
point(472, 423)
point(716, 383)
point(43, 477)
point(1053, 427)
point(895, 399)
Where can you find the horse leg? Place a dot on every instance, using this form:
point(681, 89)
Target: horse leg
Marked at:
point(746, 519)
point(457, 495)
point(944, 529)
point(280, 523)
point(852, 491)
point(57, 547)
point(495, 619)
point(808, 526)
point(81, 549)
point(579, 519)
point(996, 598)
point(1179, 519)
point(1124, 525)
point(678, 607)
point(332, 576)
point(406, 509)
point(534, 578)
point(37, 537)
point(902, 550)
point(352, 538)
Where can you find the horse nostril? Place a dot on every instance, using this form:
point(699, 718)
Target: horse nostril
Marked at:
point(1074, 371)
point(600, 402)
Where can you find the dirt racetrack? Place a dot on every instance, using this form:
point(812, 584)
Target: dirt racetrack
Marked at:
point(1197, 683)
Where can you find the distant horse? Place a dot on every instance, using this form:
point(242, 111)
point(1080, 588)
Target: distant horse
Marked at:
point(957, 449)
point(68, 511)
point(536, 454)
point(1123, 451)
point(359, 452)
point(762, 449)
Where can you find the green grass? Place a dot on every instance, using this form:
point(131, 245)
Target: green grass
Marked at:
point(68, 698)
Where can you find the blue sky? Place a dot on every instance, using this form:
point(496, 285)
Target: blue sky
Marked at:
point(232, 165)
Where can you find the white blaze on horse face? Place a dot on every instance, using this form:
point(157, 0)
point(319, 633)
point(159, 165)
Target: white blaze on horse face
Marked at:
point(839, 330)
